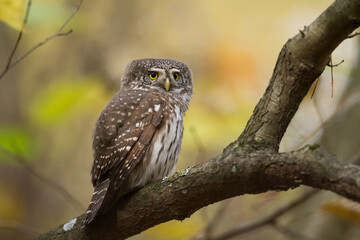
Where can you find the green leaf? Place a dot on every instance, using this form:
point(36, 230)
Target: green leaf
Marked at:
point(63, 99)
point(15, 142)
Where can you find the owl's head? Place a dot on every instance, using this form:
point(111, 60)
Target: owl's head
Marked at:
point(164, 75)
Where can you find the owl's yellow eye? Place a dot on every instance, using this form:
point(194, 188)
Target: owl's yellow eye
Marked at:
point(176, 76)
point(153, 75)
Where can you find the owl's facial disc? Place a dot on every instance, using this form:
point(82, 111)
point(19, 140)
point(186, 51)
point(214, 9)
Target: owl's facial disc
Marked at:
point(159, 75)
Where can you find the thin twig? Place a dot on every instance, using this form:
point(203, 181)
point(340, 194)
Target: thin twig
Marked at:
point(47, 181)
point(290, 233)
point(58, 33)
point(315, 86)
point(245, 228)
point(353, 34)
point(18, 39)
point(335, 65)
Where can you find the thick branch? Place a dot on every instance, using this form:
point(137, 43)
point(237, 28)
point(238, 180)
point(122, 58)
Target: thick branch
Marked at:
point(300, 62)
point(226, 176)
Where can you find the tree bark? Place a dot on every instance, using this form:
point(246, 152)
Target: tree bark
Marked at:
point(252, 163)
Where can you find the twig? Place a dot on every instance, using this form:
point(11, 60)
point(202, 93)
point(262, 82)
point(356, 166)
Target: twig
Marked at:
point(290, 233)
point(18, 227)
point(353, 34)
point(335, 65)
point(47, 181)
point(315, 86)
point(266, 220)
point(18, 39)
point(59, 33)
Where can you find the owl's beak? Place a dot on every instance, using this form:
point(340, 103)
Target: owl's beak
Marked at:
point(167, 84)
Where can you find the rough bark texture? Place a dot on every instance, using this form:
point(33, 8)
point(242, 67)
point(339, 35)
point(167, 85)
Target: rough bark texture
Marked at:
point(182, 194)
point(251, 164)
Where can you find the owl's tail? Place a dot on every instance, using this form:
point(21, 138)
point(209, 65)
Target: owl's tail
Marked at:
point(96, 201)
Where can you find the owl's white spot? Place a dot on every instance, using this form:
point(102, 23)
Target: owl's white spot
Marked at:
point(112, 105)
point(69, 225)
point(102, 121)
point(157, 107)
point(127, 165)
point(97, 137)
point(129, 113)
point(142, 105)
point(112, 119)
point(135, 138)
point(137, 124)
point(119, 120)
point(97, 166)
point(107, 126)
point(138, 99)
point(132, 107)
point(121, 99)
point(102, 167)
point(125, 103)
point(128, 148)
point(150, 110)
point(120, 177)
point(118, 112)
point(105, 113)
point(139, 95)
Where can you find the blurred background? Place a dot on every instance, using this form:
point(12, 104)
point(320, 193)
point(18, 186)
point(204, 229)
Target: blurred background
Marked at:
point(50, 101)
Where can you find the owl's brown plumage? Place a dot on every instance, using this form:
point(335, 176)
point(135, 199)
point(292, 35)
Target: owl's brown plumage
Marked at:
point(137, 138)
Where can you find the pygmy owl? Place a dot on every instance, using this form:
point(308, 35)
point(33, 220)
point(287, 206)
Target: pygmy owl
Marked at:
point(137, 138)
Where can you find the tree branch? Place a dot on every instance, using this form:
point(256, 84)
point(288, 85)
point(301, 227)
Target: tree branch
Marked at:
point(251, 164)
point(60, 32)
point(302, 59)
point(220, 178)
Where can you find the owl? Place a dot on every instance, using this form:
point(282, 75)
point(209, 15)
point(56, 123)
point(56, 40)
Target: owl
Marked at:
point(137, 138)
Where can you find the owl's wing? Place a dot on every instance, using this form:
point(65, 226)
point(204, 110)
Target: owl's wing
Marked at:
point(123, 133)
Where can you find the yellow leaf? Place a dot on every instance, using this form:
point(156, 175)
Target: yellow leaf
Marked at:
point(344, 209)
point(12, 12)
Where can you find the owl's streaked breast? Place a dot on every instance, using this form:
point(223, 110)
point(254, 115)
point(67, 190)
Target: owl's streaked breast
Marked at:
point(161, 158)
